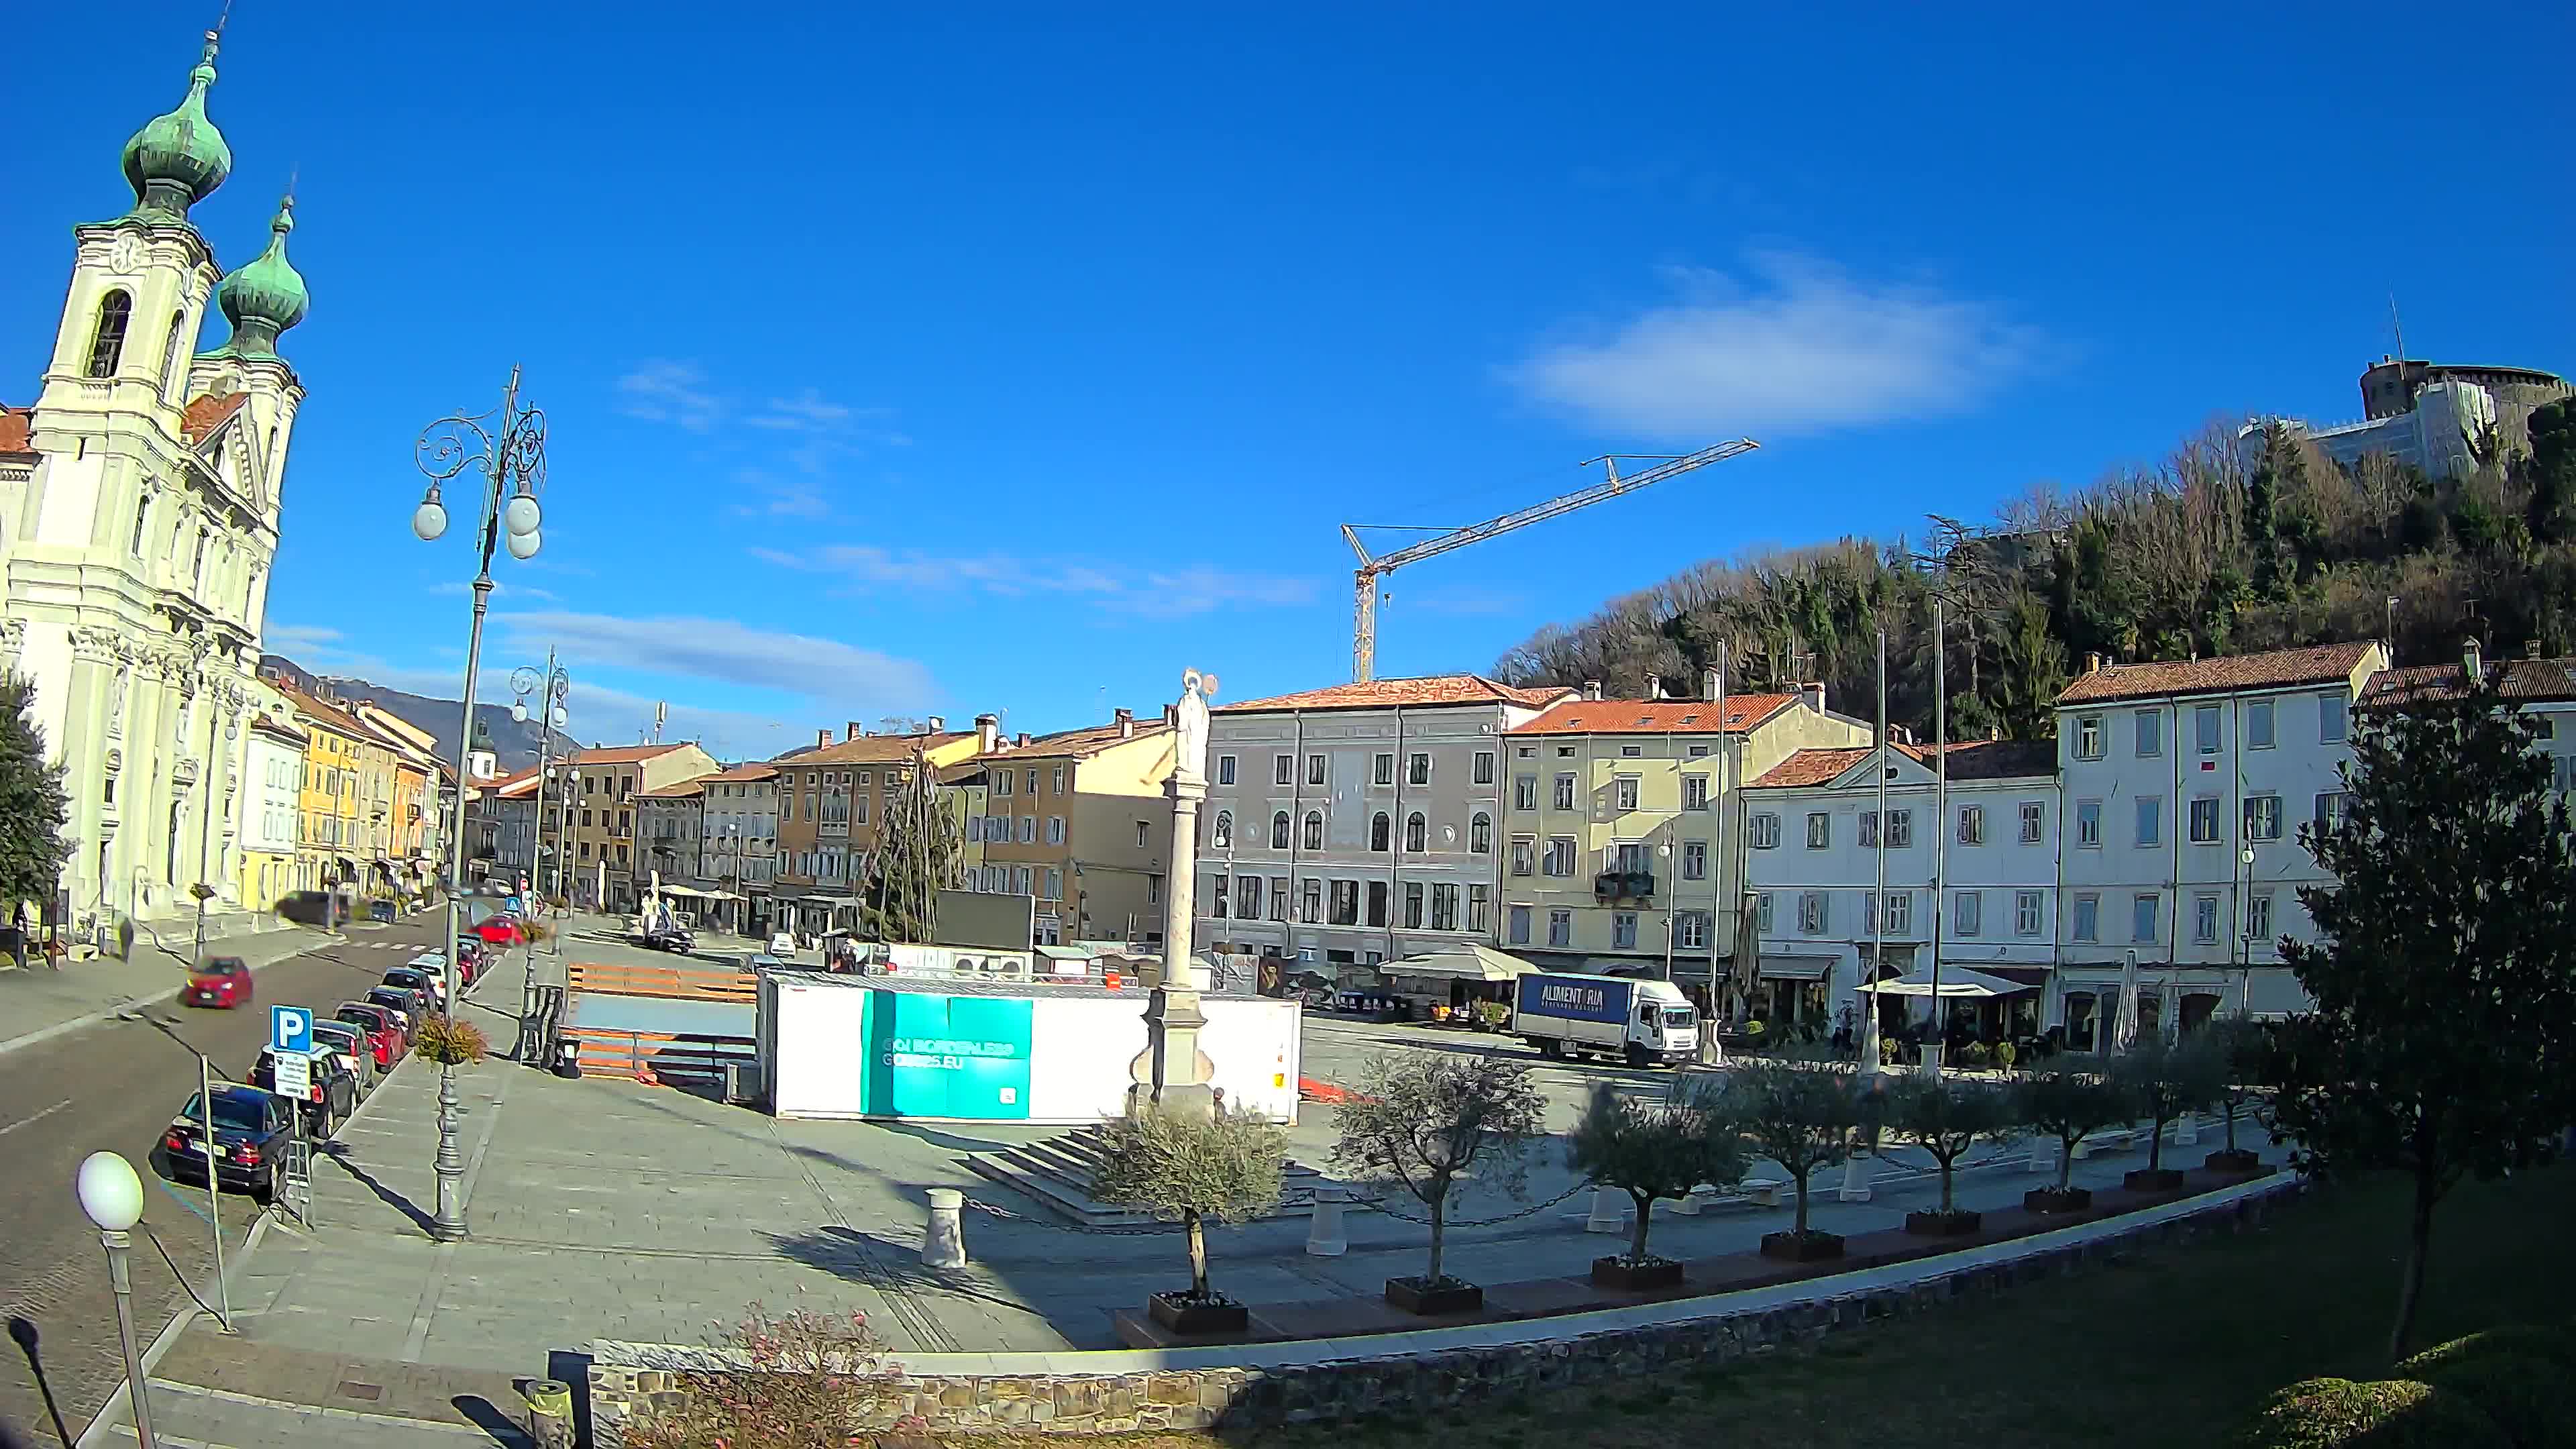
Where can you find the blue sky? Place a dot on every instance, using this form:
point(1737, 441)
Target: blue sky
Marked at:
point(1014, 357)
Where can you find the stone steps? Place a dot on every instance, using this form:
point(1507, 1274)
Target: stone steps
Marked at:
point(1056, 1172)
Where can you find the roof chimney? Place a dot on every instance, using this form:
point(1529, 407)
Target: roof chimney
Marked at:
point(988, 732)
point(1814, 695)
point(1023, 740)
point(938, 724)
point(1171, 716)
point(854, 731)
point(1592, 689)
point(2472, 662)
point(822, 737)
point(2092, 662)
point(1126, 724)
point(1708, 684)
point(1654, 686)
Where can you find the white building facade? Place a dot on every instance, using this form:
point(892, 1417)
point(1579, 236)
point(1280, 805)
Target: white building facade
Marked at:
point(1291, 859)
point(273, 764)
point(142, 515)
point(2185, 785)
point(739, 845)
point(1979, 886)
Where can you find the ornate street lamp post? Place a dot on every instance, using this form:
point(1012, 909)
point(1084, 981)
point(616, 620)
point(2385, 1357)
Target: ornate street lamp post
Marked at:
point(508, 448)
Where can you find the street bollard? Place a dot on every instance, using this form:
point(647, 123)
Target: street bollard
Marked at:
point(1856, 1175)
point(1324, 1235)
point(1608, 1211)
point(550, 1413)
point(1687, 1205)
point(2043, 1154)
point(944, 1244)
point(2187, 1130)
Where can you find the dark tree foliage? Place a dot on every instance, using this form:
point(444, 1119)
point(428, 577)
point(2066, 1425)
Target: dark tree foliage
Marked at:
point(33, 809)
point(916, 858)
point(1652, 1150)
point(2443, 1043)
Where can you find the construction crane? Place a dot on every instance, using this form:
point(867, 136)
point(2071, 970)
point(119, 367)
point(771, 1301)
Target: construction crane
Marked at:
point(1373, 569)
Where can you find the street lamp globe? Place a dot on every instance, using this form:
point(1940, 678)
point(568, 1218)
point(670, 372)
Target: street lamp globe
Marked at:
point(518, 711)
point(519, 515)
point(429, 520)
point(110, 1193)
point(523, 545)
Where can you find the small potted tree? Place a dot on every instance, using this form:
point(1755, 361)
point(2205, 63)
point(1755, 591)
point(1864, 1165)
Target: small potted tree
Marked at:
point(1802, 1115)
point(1421, 1121)
point(1945, 1117)
point(2163, 1080)
point(1651, 1151)
point(2244, 1055)
point(2066, 1102)
point(1184, 1167)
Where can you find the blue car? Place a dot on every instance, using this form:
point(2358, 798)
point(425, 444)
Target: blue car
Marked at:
point(252, 1129)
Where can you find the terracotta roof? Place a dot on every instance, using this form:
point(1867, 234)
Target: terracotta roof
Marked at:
point(966, 769)
point(205, 414)
point(1076, 744)
point(874, 749)
point(1656, 716)
point(1429, 689)
point(1969, 760)
point(2318, 664)
point(758, 770)
point(276, 726)
point(2521, 679)
point(623, 754)
point(331, 715)
point(15, 424)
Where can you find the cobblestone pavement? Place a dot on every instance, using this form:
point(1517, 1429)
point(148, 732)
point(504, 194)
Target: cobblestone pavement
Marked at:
point(116, 1084)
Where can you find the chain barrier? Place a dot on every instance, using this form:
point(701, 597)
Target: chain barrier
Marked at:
point(1381, 1205)
point(1105, 1230)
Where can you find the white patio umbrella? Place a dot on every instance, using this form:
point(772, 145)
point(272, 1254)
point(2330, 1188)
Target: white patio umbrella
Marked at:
point(2124, 1034)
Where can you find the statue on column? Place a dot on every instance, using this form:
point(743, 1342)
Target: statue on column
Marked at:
point(1172, 1073)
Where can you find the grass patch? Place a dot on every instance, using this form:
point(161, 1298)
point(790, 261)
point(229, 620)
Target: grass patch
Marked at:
point(2171, 1347)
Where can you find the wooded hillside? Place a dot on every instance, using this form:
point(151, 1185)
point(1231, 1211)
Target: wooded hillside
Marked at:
point(2230, 546)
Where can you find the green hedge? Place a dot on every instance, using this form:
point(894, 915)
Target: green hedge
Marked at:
point(2526, 1397)
point(2521, 1340)
point(2386, 1414)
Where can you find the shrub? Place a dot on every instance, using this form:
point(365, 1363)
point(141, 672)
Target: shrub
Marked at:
point(1181, 1166)
point(2520, 1340)
point(1975, 1055)
point(1945, 1117)
point(2387, 1414)
point(2065, 1103)
point(2523, 1395)
point(1801, 1115)
point(451, 1042)
point(1493, 1015)
point(805, 1381)
point(2165, 1080)
point(1423, 1120)
point(1651, 1150)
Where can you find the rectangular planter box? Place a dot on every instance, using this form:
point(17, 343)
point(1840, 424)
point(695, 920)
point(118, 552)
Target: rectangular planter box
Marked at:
point(1943, 1225)
point(2050, 1200)
point(1814, 1247)
point(1167, 1310)
point(2152, 1179)
point(2240, 1163)
point(1614, 1272)
point(1414, 1296)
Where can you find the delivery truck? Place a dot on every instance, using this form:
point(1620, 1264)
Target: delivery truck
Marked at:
point(1641, 1022)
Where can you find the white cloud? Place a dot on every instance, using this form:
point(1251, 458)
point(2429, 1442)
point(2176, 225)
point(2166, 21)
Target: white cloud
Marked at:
point(838, 679)
point(1801, 347)
point(283, 638)
point(810, 412)
point(775, 499)
point(457, 588)
point(670, 392)
point(1166, 594)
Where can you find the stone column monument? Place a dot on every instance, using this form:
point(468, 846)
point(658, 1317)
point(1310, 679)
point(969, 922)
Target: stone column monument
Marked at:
point(1173, 1074)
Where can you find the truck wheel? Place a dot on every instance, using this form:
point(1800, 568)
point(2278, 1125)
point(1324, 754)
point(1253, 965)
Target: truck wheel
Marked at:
point(1636, 1056)
point(1551, 1049)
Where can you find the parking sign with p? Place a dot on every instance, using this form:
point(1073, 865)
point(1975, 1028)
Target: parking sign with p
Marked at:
point(290, 1029)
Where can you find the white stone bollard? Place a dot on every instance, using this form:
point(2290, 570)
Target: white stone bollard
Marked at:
point(1609, 1213)
point(2187, 1130)
point(1687, 1205)
point(1324, 1236)
point(2043, 1154)
point(1856, 1178)
point(944, 1244)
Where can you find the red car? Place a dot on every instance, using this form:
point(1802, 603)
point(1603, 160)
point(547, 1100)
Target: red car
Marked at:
point(222, 982)
point(499, 931)
point(385, 1031)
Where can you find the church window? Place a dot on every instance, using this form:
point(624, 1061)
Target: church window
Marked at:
point(142, 523)
point(197, 568)
point(170, 353)
point(107, 344)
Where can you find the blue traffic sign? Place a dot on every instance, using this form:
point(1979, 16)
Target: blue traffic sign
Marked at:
point(290, 1029)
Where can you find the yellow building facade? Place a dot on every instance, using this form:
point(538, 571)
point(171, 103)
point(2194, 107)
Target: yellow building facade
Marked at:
point(343, 764)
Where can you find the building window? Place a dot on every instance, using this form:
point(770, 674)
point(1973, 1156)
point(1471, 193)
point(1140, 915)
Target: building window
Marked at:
point(1972, 825)
point(1968, 912)
point(1484, 767)
point(1028, 830)
point(2329, 812)
point(1480, 834)
point(2204, 918)
point(2151, 733)
point(1417, 769)
point(2258, 725)
point(1377, 903)
point(1145, 834)
point(1055, 829)
point(1479, 900)
point(1900, 914)
point(1820, 830)
point(2088, 824)
point(2034, 821)
point(1868, 833)
point(1283, 771)
point(1623, 930)
point(1560, 857)
point(2088, 737)
point(1694, 792)
point(1762, 912)
point(1382, 770)
point(1278, 830)
point(1624, 792)
point(1524, 855)
point(2203, 825)
point(2088, 916)
point(1766, 832)
point(1225, 769)
point(1812, 914)
point(1002, 781)
point(1517, 930)
point(1444, 907)
point(2331, 709)
point(1694, 860)
point(1525, 792)
point(2204, 728)
point(1415, 831)
point(2151, 820)
point(2026, 909)
point(1900, 829)
point(1312, 903)
point(2258, 916)
point(1632, 752)
point(1056, 779)
point(1346, 903)
point(1314, 769)
point(107, 339)
point(1279, 898)
point(1560, 928)
point(1381, 832)
point(1314, 830)
point(2262, 817)
point(2142, 918)
point(142, 525)
point(1564, 792)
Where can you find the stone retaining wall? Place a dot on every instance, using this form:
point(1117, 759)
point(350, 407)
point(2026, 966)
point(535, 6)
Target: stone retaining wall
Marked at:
point(627, 1377)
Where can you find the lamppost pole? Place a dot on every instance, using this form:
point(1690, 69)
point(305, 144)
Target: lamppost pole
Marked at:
point(112, 1197)
point(508, 449)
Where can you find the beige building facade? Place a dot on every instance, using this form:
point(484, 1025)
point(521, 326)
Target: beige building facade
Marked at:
point(1078, 820)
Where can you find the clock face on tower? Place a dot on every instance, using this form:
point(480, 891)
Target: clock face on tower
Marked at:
point(127, 254)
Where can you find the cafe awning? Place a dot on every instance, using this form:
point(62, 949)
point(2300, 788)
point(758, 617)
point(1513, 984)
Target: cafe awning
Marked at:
point(1796, 968)
point(1956, 982)
point(1468, 963)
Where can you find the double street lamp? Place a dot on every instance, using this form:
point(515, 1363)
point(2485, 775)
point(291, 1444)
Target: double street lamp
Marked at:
point(507, 447)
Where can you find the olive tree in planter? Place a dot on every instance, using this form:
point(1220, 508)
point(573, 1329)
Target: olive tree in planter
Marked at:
point(2244, 1053)
point(1421, 1121)
point(1801, 1114)
point(1188, 1167)
point(2066, 1102)
point(1946, 1116)
point(2163, 1080)
point(1650, 1150)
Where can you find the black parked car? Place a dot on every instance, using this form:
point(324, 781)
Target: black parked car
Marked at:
point(252, 1128)
point(333, 1096)
point(411, 1005)
point(306, 908)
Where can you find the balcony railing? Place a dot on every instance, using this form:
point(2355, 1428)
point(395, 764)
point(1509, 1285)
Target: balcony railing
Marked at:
point(1623, 885)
